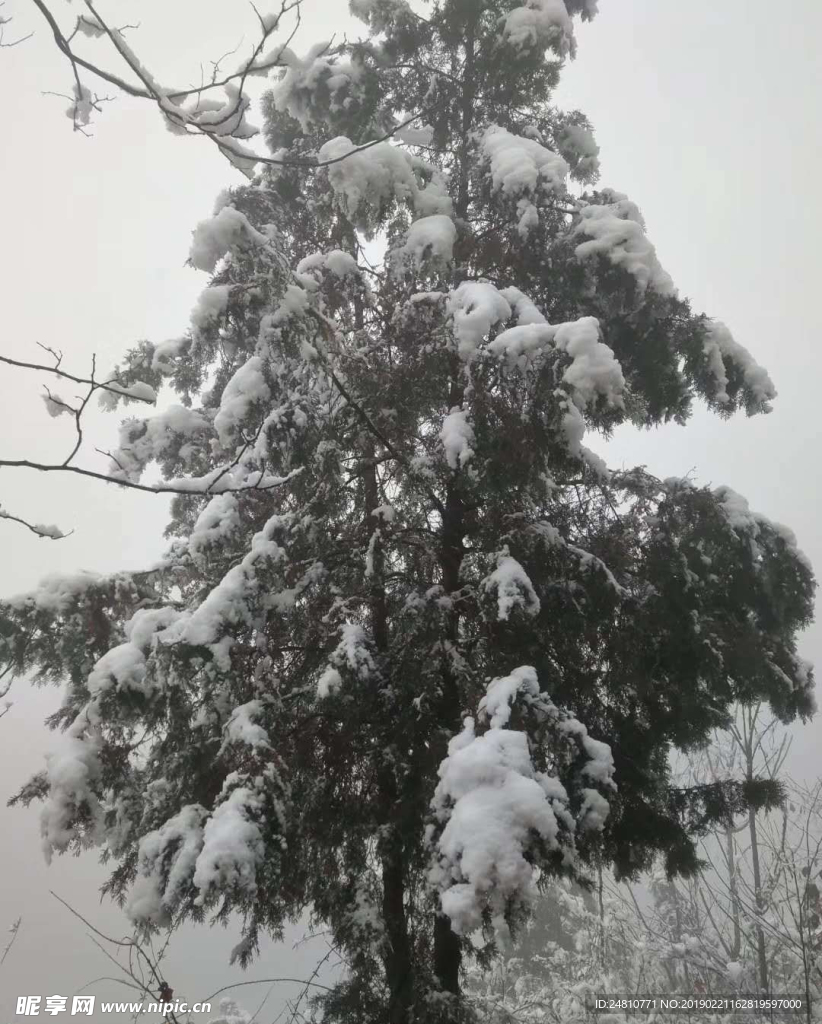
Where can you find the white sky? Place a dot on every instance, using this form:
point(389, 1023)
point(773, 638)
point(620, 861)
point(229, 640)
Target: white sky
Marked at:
point(708, 117)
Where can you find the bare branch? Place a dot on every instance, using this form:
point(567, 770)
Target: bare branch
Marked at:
point(112, 385)
point(15, 928)
point(16, 42)
point(133, 946)
point(265, 981)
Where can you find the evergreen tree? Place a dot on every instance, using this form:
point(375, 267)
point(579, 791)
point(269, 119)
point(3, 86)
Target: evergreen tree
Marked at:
point(416, 646)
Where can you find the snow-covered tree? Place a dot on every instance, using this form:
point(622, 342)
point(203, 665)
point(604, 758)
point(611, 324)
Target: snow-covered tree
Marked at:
point(411, 639)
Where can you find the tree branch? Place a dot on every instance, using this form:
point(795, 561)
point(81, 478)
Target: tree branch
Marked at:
point(207, 490)
point(89, 381)
point(39, 529)
point(188, 121)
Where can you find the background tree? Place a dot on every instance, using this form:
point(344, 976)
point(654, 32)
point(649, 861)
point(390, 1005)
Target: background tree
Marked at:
point(401, 597)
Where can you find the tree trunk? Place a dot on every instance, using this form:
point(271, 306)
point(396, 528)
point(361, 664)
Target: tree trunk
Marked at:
point(397, 958)
point(399, 968)
point(761, 955)
point(447, 945)
point(730, 855)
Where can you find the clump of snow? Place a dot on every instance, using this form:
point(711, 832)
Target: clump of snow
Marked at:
point(139, 391)
point(166, 861)
point(165, 353)
point(522, 306)
point(379, 14)
point(223, 118)
point(457, 436)
point(352, 654)
point(306, 78)
point(72, 769)
point(594, 811)
point(578, 145)
point(89, 26)
point(222, 479)
point(246, 388)
point(429, 238)
point(82, 105)
point(475, 307)
point(329, 682)
point(600, 765)
point(501, 693)
point(521, 168)
point(213, 238)
point(540, 24)
point(572, 424)
point(594, 370)
point(56, 593)
point(721, 348)
point(218, 520)
point(241, 727)
point(341, 264)
point(433, 197)
point(512, 586)
point(231, 601)
point(123, 667)
point(46, 530)
point(144, 440)
point(617, 231)
point(742, 519)
point(412, 136)
point(517, 345)
point(293, 303)
point(147, 623)
point(55, 406)
point(233, 845)
point(367, 179)
point(211, 305)
point(492, 800)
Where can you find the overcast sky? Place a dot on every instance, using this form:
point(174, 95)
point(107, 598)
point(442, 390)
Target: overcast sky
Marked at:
point(708, 117)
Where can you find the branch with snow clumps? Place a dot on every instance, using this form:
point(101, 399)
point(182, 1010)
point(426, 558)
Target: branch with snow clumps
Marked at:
point(223, 122)
point(229, 478)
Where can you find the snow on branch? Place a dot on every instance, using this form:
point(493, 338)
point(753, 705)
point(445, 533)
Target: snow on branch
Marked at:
point(723, 353)
point(217, 482)
point(616, 230)
point(193, 111)
point(139, 394)
point(522, 168)
point(39, 529)
point(496, 812)
point(232, 477)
